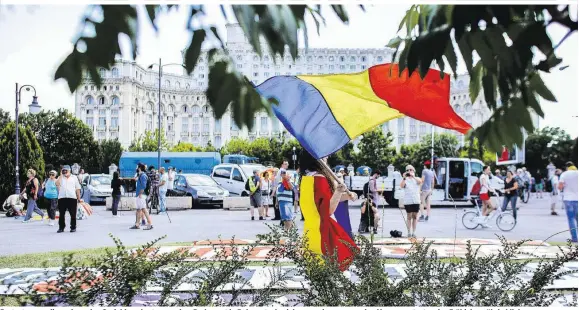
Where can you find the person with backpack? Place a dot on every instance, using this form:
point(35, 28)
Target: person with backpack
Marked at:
point(51, 194)
point(33, 192)
point(253, 185)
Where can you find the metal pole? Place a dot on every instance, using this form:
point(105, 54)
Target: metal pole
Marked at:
point(17, 187)
point(159, 125)
point(432, 147)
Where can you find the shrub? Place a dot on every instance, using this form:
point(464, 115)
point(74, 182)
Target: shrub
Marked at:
point(476, 281)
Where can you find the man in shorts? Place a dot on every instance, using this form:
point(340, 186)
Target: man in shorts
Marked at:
point(141, 199)
point(254, 183)
point(426, 191)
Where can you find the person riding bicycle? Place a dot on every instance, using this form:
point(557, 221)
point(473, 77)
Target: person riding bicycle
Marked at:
point(523, 179)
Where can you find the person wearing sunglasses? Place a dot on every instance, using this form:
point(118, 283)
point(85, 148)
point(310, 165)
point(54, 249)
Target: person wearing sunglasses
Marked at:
point(68, 198)
point(411, 185)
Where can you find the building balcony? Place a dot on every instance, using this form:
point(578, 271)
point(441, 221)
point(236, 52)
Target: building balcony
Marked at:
point(195, 134)
point(114, 128)
point(206, 133)
point(184, 133)
point(101, 128)
point(234, 133)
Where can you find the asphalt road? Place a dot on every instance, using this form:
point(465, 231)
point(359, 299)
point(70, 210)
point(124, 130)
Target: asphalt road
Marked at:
point(535, 222)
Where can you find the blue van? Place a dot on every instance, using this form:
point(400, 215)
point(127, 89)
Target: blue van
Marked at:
point(188, 162)
point(239, 159)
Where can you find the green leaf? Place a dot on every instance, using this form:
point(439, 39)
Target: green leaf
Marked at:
point(549, 63)
point(466, 51)
point(489, 85)
point(412, 21)
point(194, 50)
point(71, 71)
point(403, 59)
point(245, 15)
point(537, 84)
point(152, 12)
point(480, 45)
point(475, 81)
point(521, 113)
point(341, 12)
point(395, 42)
point(448, 11)
point(450, 56)
point(216, 35)
point(530, 99)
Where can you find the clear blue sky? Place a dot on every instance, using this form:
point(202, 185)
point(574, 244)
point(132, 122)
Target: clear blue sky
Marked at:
point(35, 39)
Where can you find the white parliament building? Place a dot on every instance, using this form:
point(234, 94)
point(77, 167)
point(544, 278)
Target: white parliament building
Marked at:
point(126, 105)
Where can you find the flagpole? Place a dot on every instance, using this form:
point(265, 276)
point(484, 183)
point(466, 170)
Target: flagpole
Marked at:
point(431, 147)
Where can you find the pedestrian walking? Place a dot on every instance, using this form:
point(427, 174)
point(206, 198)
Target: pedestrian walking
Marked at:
point(68, 198)
point(31, 188)
point(276, 183)
point(511, 187)
point(266, 189)
point(141, 200)
point(568, 185)
point(373, 186)
point(426, 191)
point(552, 186)
point(163, 187)
point(116, 194)
point(253, 185)
point(285, 196)
point(51, 194)
point(411, 185)
point(539, 187)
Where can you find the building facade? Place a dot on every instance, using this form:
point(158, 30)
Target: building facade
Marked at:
point(126, 105)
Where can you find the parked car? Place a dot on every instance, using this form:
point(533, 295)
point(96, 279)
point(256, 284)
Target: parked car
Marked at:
point(99, 187)
point(232, 177)
point(203, 190)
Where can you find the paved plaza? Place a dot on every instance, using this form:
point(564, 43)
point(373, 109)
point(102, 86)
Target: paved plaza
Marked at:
point(534, 223)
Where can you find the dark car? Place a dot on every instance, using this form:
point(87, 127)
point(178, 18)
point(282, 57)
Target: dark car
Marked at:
point(203, 189)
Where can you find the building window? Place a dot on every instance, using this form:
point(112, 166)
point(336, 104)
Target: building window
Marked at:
point(102, 72)
point(342, 67)
point(88, 112)
point(363, 59)
point(195, 124)
point(170, 122)
point(187, 86)
point(363, 67)
point(218, 141)
point(412, 126)
point(115, 72)
point(200, 84)
point(102, 121)
point(101, 100)
point(266, 74)
point(195, 140)
point(117, 87)
point(206, 124)
point(422, 128)
point(277, 73)
point(266, 58)
point(114, 122)
point(342, 58)
point(115, 100)
point(196, 108)
point(255, 58)
point(89, 100)
point(171, 108)
point(255, 66)
point(177, 85)
point(320, 58)
point(352, 67)
point(184, 109)
point(274, 125)
point(380, 58)
point(401, 140)
point(264, 126)
point(331, 58)
point(217, 126)
point(239, 57)
point(185, 124)
point(150, 106)
point(89, 121)
point(114, 112)
point(149, 122)
point(400, 125)
point(103, 112)
point(331, 67)
point(255, 74)
point(309, 58)
point(239, 66)
point(352, 59)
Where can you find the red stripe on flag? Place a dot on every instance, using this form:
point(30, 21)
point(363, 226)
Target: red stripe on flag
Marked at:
point(426, 100)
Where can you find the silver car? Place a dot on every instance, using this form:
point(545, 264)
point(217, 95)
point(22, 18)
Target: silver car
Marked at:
point(99, 187)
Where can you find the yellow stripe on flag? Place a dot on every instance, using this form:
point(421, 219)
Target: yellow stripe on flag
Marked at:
point(352, 101)
point(311, 215)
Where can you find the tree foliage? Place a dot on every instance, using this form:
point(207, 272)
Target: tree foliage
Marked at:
point(505, 38)
point(4, 118)
point(30, 157)
point(376, 150)
point(64, 139)
point(236, 146)
point(185, 147)
point(148, 142)
point(549, 145)
point(110, 151)
point(473, 149)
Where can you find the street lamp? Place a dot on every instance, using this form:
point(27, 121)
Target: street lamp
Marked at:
point(34, 108)
point(294, 157)
point(160, 65)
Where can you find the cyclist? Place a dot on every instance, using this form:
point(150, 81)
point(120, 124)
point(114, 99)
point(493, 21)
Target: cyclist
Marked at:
point(523, 179)
point(485, 193)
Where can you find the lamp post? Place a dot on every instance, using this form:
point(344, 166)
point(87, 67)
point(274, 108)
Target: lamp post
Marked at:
point(34, 108)
point(161, 65)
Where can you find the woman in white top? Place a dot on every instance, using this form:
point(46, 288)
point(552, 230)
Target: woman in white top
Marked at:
point(411, 185)
point(485, 190)
point(266, 187)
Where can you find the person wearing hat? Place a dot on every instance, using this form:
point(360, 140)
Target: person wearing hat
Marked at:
point(340, 175)
point(51, 193)
point(426, 191)
point(68, 198)
point(411, 185)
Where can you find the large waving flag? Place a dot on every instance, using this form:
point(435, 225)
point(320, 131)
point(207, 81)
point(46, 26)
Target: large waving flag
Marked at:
point(325, 112)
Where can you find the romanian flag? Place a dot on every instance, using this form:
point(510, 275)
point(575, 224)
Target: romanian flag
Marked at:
point(325, 112)
point(324, 235)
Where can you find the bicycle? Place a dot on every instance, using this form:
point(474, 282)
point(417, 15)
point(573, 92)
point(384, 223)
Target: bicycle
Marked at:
point(473, 219)
point(525, 193)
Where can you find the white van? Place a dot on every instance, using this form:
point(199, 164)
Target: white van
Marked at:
point(232, 177)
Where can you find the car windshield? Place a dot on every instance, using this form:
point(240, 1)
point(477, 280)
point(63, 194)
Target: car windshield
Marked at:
point(101, 180)
point(200, 180)
point(249, 169)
